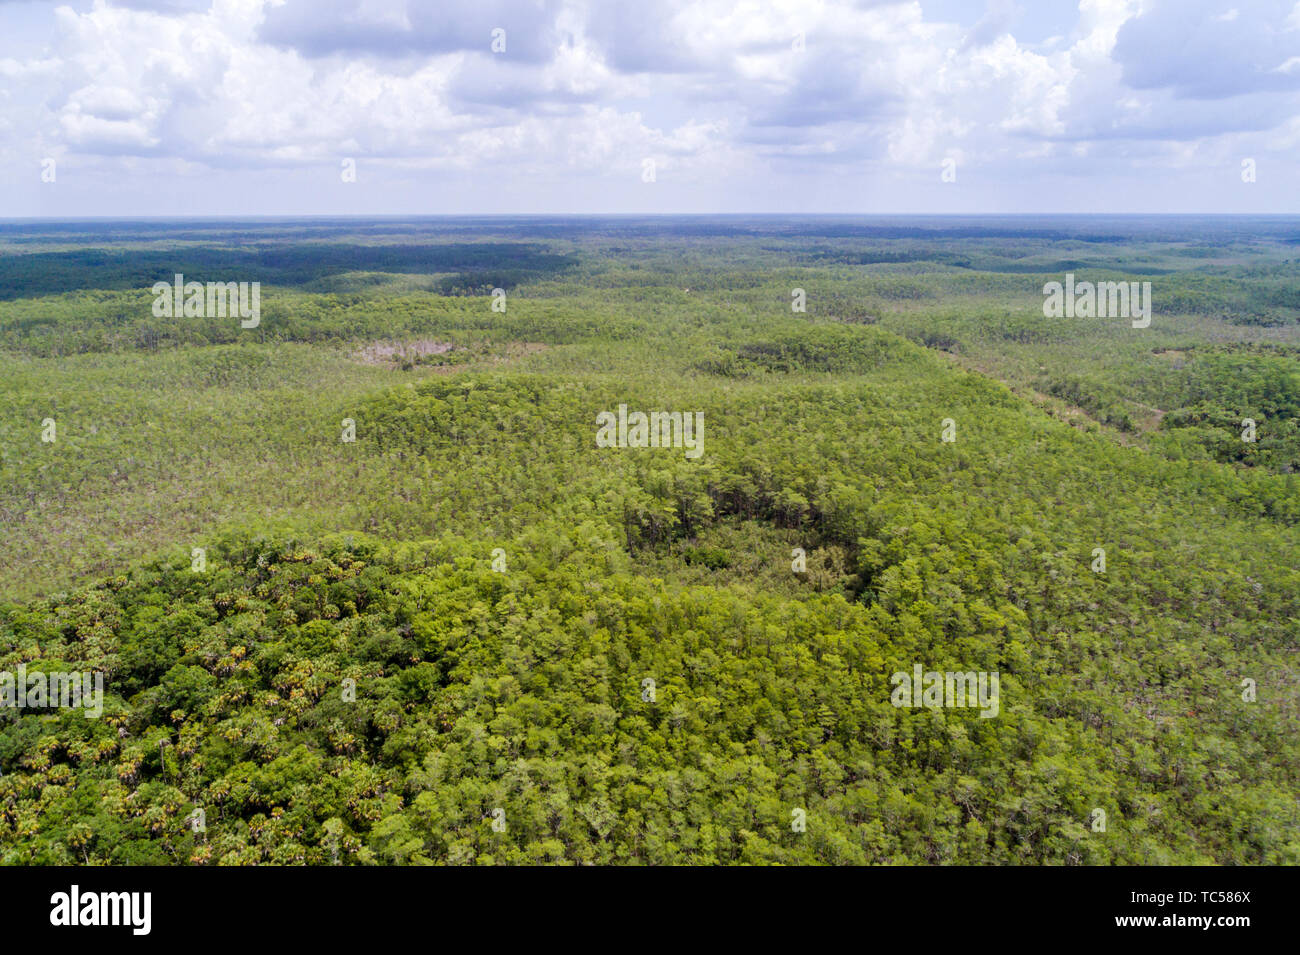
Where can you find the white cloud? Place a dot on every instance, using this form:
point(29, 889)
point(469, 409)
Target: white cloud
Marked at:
point(713, 90)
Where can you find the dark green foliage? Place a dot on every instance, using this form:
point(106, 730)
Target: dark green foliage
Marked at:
point(479, 265)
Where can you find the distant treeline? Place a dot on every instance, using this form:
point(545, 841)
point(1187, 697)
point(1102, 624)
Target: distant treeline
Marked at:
point(474, 265)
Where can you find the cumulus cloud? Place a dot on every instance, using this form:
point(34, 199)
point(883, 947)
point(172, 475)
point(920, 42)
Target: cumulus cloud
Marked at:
point(406, 27)
point(713, 90)
point(1211, 49)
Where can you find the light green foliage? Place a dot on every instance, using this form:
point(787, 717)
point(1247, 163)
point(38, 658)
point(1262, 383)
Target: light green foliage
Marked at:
point(332, 564)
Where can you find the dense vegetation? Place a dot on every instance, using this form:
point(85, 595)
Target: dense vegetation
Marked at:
point(398, 641)
point(474, 265)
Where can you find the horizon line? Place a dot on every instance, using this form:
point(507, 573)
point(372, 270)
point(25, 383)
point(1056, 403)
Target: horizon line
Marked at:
point(227, 217)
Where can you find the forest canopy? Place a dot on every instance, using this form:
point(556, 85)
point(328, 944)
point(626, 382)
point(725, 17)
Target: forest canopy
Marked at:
point(364, 587)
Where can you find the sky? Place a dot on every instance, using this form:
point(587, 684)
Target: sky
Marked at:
point(396, 107)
